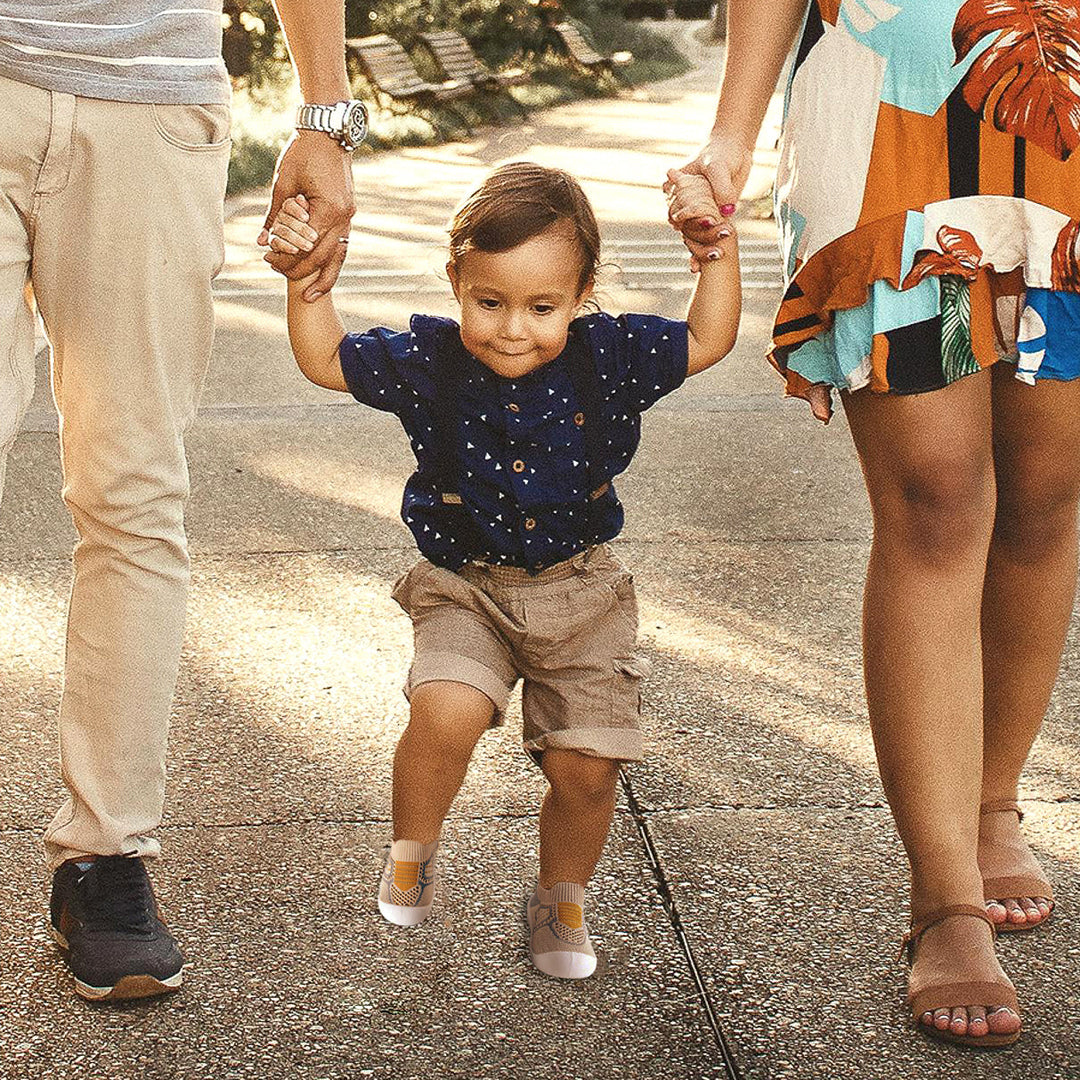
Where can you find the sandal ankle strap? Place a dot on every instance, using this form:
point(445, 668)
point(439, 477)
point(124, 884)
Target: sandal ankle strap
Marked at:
point(997, 806)
point(919, 928)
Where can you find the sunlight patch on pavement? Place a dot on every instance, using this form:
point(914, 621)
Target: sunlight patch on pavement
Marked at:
point(758, 653)
point(249, 319)
point(347, 484)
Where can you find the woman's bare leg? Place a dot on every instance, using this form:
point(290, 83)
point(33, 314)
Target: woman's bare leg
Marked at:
point(928, 464)
point(1029, 591)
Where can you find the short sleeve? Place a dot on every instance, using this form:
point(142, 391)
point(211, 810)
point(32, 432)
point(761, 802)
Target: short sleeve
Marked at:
point(639, 357)
point(375, 366)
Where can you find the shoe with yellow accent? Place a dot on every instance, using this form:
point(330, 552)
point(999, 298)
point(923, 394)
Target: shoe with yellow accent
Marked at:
point(407, 887)
point(558, 936)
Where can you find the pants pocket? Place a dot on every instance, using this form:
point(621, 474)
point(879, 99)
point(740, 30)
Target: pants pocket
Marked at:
point(630, 673)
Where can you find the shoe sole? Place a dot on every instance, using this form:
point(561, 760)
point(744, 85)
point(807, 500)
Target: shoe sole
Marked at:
point(564, 965)
point(989, 1041)
point(404, 914)
point(130, 986)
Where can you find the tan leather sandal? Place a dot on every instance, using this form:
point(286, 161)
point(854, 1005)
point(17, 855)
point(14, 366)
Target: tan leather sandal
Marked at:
point(992, 853)
point(928, 998)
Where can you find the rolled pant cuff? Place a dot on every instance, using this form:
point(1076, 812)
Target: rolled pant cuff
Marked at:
point(618, 744)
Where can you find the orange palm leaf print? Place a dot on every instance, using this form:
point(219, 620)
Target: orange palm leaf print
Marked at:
point(960, 255)
point(1026, 80)
point(830, 10)
point(1065, 263)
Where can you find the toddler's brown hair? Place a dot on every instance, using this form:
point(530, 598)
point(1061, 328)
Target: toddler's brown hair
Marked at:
point(518, 201)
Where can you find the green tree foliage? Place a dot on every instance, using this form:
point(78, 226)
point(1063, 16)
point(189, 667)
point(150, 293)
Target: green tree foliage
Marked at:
point(499, 30)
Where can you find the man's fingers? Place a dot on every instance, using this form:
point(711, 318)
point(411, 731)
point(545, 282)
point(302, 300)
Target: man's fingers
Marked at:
point(329, 273)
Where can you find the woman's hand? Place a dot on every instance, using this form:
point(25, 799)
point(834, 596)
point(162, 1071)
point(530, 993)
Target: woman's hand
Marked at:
point(724, 161)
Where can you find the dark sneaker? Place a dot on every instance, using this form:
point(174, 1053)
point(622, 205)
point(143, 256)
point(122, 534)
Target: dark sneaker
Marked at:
point(105, 919)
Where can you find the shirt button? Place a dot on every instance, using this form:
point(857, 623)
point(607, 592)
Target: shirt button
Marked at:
point(579, 418)
point(514, 407)
point(530, 523)
point(518, 466)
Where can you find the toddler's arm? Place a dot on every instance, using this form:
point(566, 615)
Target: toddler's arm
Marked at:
point(315, 330)
point(713, 318)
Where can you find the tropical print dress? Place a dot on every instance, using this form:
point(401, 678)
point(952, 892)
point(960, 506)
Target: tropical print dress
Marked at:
point(928, 195)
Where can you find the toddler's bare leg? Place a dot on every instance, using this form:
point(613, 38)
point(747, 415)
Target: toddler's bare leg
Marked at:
point(575, 816)
point(445, 723)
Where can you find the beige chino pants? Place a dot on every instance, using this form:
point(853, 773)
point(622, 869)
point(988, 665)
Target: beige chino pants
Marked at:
point(112, 213)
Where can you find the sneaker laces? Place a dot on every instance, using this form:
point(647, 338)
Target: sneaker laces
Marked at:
point(116, 895)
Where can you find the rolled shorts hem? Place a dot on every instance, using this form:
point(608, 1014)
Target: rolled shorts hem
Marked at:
point(617, 744)
point(453, 667)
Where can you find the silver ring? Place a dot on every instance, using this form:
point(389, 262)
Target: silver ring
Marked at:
point(342, 239)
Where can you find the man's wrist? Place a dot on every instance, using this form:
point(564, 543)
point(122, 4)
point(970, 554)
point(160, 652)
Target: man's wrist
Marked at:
point(343, 121)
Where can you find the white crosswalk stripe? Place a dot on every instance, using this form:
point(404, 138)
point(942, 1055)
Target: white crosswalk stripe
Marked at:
point(657, 265)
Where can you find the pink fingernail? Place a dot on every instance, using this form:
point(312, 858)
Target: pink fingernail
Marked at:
point(727, 209)
point(724, 234)
point(705, 223)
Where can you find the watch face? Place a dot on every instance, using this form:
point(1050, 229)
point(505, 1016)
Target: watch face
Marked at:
point(355, 123)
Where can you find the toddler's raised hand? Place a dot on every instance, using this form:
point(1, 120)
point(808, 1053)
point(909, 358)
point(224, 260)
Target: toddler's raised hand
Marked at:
point(693, 211)
point(290, 234)
point(690, 200)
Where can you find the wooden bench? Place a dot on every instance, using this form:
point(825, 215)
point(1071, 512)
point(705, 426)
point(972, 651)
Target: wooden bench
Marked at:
point(396, 82)
point(583, 56)
point(455, 59)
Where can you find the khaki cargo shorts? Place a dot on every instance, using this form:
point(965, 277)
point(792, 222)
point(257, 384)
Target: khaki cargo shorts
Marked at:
point(569, 632)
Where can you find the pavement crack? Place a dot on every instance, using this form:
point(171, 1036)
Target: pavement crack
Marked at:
point(652, 857)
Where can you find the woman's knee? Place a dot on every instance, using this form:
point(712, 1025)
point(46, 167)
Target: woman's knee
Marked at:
point(1037, 518)
point(939, 515)
point(580, 776)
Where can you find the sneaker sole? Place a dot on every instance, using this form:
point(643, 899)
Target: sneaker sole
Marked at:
point(130, 986)
point(564, 965)
point(402, 914)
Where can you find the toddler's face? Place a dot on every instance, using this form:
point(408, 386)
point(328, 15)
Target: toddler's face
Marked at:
point(516, 305)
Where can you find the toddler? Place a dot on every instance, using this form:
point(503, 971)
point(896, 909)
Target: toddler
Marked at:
point(520, 418)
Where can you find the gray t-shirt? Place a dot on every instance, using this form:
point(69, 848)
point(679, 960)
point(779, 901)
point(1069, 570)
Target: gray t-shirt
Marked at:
point(120, 50)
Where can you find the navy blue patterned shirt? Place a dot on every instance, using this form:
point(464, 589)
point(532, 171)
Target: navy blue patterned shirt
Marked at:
point(521, 467)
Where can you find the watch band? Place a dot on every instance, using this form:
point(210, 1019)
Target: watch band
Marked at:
point(333, 120)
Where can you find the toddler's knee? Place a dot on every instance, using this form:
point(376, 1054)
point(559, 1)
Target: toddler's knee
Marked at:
point(580, 776)
point(450, 715)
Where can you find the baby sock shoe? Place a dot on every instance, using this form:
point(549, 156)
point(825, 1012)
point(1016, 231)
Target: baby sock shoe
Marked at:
point(407, 886)
point(558, 936)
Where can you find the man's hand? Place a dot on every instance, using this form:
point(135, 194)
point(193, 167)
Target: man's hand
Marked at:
point(313, 165)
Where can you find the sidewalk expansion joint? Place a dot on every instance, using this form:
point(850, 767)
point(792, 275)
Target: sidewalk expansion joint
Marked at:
point(768, 807)
point(764, 807)
point(667, 900)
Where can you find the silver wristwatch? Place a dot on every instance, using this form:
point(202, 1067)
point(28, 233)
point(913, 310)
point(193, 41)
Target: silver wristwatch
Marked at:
point(345, 122)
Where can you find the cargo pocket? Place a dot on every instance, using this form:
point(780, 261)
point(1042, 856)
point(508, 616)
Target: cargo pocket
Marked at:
point(630, 671)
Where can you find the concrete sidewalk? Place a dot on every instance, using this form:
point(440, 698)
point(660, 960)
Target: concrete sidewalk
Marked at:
point(748, 533)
